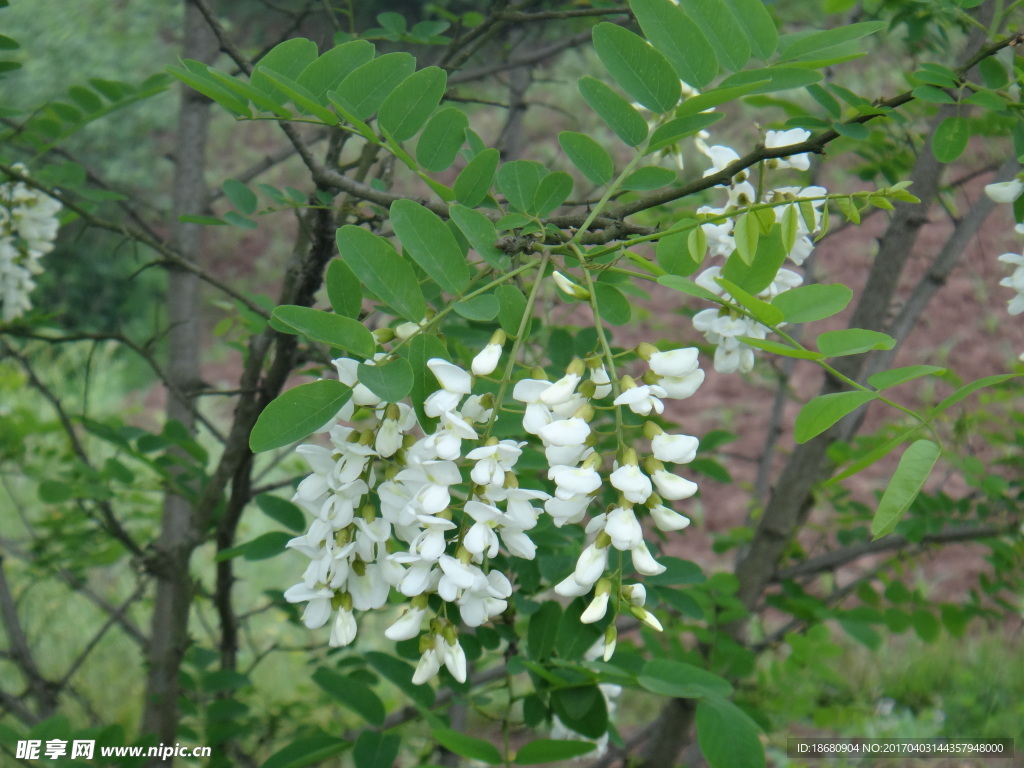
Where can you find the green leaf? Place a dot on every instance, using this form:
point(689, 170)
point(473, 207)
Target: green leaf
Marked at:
point(480, 232)
point(993, 74)
point(772, 79)
point(968, 389)
point(467, 746)
point(613, 306)
point(679, 128)
point(391, 382)
point(582, 709)
point(543, 630)
point(853, 341)
point(717, 96)
point(343, 289)
point(377, 265)
point(855, 131)
point(685, 681)
point(352, 693)
point(677, 283)
point(761, 310)
point(675, 255)
point(588, 156)
point(421, 348)
point(822, 412)
point(209, 87)
point(283, 511)
point(747, 232)
point(330, 69)
point(621, 116)
point(400, 673)
point(513, 306)
point(808, 303)
point(519, 181)
point(552, 192)
point(442, 137)
point(325, 327)
point(266, 546)
point(913, 470)
point(757, 25)
point(679, 39)
point(950, 139)
point(288, 58)
point(296, 413)
point(552, 750)
point(243, 198)
point(408, 106)
point(932, 94)
point(649, 177)
point(299, 96)
point(366, 87)
point(727, 736)
point(925, 625)
point(474, 181)
point(641, 71)
point(306, 751)
point(886, 379)
point(826, 100)
point(808, 45)
point(376, 750)
point(783, 350)
point(875, 454)
point(720, 26)
point(431, 244)
point(480, 308)
point(237, 220)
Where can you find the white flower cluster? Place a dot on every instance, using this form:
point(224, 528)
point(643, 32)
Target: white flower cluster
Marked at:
point(423, 516)
point(723, 327)
point(1008, 192)
point(28, 227)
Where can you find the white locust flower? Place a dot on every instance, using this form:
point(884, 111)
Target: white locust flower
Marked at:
point(487, 359)
point(1005, 191)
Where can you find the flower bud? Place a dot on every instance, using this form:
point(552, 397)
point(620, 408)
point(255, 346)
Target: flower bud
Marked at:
point(646, 617)
point(384, 335)
point(645, 350)
point(569, 287)
point(610, 637)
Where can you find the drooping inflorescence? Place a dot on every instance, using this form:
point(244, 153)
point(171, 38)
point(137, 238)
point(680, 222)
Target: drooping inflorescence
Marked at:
point(402, 510)
point(28, 227)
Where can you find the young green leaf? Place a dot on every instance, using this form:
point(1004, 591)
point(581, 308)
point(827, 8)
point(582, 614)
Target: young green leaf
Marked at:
point(969, 389)
point(296, 413)
point(641, 71)
point(886, 379)
point(679, 39)
point(480, 308)
point(307, 750)
point(681, 680)
point(266, 546)
point(582, 708)
point(804, 46)
point(913, 470)
point(783, 350)
point(588, 156)
point(351, 693)
point(822, 412)
point(391, 382)
point(376, 750)
point(853, 341)
point(382, 270)
point(747, 233)
point(757, 25)
point(366, 87)
point(421, 348)
point(299, 96)
point(649, 177)
point(675, 130)
point(441, 140)
point(761, 310)
point(474, 181)
point(807, 303)
point(288, 58)
point(950, 139)
point(283, 511)
point(513, 306)
point(243, 198)
point(407, 108)
point(431, 245)
point(687, 286)
point(621, 116)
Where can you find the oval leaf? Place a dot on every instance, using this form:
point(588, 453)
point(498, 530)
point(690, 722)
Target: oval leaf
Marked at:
point(296, 413)
point(442, 137)
point(474, 182)
point(366, 87)
point(591, 158)
point(325, 327)
point(377, 265)
point(551, 751)
point(727, 736)
point(679, 39)
point(343, 289)
point(613, 306)
point(431, 244)
point(391, 382)
point(467, 746)
point(642, 72)
point(914, 468)
point(853, 341)
point(621, 116)
point(807, 303)
point(950, 139)
point(480, 232)
point(408, 106)
point(822, 412)
point(676, 678)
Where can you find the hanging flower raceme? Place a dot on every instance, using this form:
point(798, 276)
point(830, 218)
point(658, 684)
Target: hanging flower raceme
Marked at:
point(428, 514)
point(28, 228)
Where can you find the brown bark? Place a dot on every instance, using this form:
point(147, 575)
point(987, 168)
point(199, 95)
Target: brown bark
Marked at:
point(179, 534)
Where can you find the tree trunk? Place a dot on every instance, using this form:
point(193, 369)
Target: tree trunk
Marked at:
point(179, 533)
